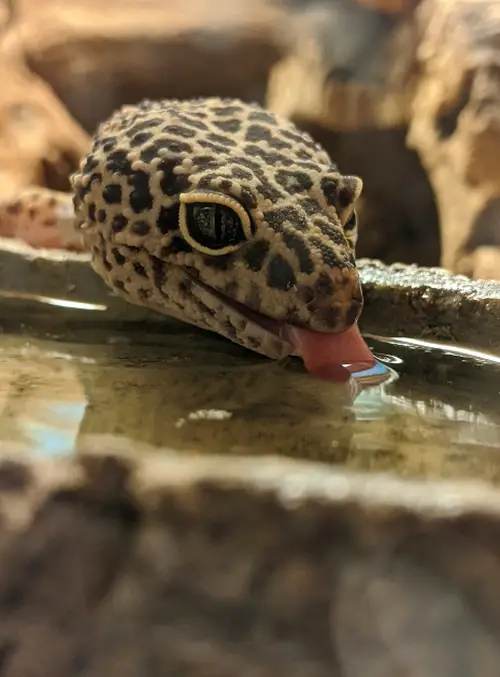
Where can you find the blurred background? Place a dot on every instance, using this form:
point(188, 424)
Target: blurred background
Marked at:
point(400, 92)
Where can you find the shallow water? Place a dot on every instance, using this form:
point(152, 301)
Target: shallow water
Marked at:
point(68, 372)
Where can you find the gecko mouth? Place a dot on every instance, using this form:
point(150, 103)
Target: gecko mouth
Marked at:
point(329, 355)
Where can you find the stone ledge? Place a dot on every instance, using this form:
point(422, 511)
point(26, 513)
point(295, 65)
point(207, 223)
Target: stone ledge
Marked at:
point(131, 562)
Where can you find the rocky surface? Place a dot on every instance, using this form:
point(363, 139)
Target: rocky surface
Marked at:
point(125, 562)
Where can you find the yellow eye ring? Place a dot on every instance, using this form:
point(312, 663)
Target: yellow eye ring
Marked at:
point(212, 197)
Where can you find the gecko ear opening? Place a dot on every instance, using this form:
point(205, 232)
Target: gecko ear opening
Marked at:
point(213, 223)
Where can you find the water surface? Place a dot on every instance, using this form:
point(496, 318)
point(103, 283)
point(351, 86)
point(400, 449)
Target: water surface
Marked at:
point(69, 371)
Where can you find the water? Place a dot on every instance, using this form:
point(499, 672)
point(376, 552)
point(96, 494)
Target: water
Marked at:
point(70, 371)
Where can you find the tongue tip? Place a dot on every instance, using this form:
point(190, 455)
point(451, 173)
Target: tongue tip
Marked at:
point(326, 355)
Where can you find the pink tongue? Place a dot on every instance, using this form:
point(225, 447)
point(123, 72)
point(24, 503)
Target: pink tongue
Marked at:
point(325, 354)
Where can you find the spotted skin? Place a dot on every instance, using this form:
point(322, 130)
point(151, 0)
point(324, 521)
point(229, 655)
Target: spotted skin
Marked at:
point(141, 196)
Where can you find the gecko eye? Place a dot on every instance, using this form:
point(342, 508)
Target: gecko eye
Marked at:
point(213, 224)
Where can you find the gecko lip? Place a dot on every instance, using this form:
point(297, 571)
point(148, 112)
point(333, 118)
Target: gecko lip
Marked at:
point(277, 328)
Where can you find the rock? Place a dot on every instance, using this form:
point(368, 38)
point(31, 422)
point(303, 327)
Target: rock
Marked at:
point(455, 127)
point(125, 561)
point(40, 144)
point(96, 62)
point(430, 71)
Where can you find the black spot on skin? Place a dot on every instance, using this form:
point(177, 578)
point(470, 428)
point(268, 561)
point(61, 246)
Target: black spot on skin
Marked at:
point(178, 130)
point(262, 116)
point(91, 211)
point(247, 199)
point(293, 182)
point(96, 177)
point(153, 151)
point(32, 212)
point(248, 162)
point(267, 190)
point(118, 284)
point(143, 126)
point(168, 219)
point(255, 254)
point(141, 228)
point(197, 124)
point(119, 258)
point(299, 137)
point(108, 144)
point(117, 162)
point(204, 162)
point(223, 140)
point(101, 215)
point(216, 147)
point(90, 164)
point(119, 223)
point(304, 154)
point(225, 184)
point(280, 274)
point(207, 180)
point(226, 110)
point(230, 126)
point(270, 158)
point(172, 183)
point(330, 256)
point(177, 246)
point(330, 188)
point(112, 194)
point(299, 246)
point(240, 173)
point(257, 133)
point(323, 287)
point(276, 217)
point(331, 231)
point(218, 262)
point(140, 197)
point(311, 206)
point(140, 139)
point(139, 269)
point(330, 317)
point(307, 166)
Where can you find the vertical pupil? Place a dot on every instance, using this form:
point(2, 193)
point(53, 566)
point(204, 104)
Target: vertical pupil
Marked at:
point(206, 219)
point(218, 223)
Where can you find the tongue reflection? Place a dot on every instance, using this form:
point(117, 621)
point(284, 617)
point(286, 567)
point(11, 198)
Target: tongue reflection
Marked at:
point(333, 356)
